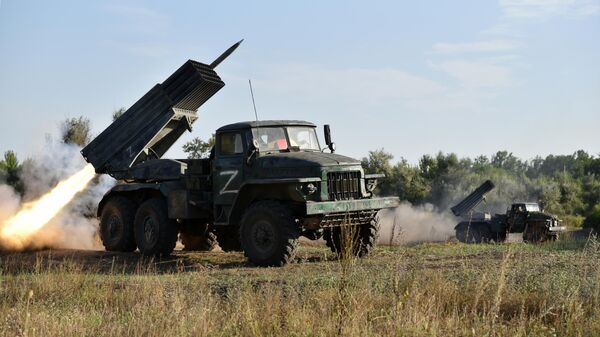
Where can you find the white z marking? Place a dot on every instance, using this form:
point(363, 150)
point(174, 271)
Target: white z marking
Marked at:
point(233, 175)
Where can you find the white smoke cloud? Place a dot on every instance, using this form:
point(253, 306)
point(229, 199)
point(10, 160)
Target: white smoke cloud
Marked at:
point(9, 201)
point(76, 226)
point(407, 224)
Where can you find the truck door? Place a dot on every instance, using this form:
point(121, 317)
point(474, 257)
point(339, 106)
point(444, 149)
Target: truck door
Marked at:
point(517, 218)
point(228, 172)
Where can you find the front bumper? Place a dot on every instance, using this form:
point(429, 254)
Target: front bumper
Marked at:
point(557, 229)
point(342, 206)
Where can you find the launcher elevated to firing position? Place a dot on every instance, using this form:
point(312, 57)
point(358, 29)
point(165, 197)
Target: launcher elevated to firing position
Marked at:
point(523, 217)
point(473, 199)
point(150, 127)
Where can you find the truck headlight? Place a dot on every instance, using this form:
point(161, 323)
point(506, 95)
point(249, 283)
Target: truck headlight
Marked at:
point(310, 188)
point(370, 184)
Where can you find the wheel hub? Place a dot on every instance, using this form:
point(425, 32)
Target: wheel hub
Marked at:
point(114, 223)
point(264, 236)
point(149, 230)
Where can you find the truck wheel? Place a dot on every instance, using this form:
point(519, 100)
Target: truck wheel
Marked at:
point(500, 237)
point(228, 238)
point(204, 242)
point(155, 233)
point(533, 234)
point(369, 233)
point(362, 238)
point(116, 225)
point(269, 234)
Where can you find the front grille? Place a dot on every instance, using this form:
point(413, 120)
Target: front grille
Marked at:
point(343, 185)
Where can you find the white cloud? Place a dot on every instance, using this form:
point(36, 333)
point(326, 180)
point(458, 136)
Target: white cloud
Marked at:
point(138, 19)
point(131, 12)
point(477, 74)
point(527, 9)
point(148, 50)
point(491, 46)
point(349, 84)
point(470, 85)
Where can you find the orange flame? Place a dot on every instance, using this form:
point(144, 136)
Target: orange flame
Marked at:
point(17, 231)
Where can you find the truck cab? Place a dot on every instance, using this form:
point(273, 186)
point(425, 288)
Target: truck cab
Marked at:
point(284, 160)
point(536, 225)
point(517, 215)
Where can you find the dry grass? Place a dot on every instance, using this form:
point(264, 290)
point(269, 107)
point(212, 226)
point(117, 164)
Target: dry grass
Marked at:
point(424, 290)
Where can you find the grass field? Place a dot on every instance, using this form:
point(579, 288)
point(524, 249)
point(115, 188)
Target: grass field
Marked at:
point(445, 289)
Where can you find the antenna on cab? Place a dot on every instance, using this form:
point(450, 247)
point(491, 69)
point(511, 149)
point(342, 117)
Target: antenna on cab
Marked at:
point(253, 103)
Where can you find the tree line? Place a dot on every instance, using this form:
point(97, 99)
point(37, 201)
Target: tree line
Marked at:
point(566, 185)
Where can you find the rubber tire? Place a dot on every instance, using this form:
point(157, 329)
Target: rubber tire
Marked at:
point(275, 219)
point(535, 235)
point(501, 237)
point(164, 239)
point(203, 242)
point(123, 209)
point(363, 242)
point(474, 232)
point(228, 238)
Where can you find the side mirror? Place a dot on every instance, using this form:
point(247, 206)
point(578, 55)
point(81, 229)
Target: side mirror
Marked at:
point(328, 142)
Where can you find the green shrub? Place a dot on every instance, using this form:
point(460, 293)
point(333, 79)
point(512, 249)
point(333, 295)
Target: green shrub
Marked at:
point(593, 218)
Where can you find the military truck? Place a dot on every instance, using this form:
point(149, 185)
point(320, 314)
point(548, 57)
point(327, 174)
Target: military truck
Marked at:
point(265, 184)
point(522, 217)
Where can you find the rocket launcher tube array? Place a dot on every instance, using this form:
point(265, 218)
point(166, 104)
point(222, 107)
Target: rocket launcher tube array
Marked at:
point(473, 199)
point(150, 126)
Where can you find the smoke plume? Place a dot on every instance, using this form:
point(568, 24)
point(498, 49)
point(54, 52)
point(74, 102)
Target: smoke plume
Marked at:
point(408, 224)
point(75, 226)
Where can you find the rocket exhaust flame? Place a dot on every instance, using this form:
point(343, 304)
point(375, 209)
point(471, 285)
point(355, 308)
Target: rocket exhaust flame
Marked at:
point(18, 231)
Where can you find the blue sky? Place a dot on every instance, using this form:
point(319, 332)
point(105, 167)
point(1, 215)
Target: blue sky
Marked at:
point(413, 77)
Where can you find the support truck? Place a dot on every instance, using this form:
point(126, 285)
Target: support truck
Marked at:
point(521, 217)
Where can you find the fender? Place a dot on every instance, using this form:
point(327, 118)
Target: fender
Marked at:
point(129, 189)
point(245, 196)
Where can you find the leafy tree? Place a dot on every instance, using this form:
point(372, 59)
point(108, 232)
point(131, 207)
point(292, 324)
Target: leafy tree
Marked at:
point(481, 163)
point(590, 190)
point(76, 131)
point(434, 168)
point(401, 179)
point(428, 167)
point(198, 148)
point(594, 166)
point(593, 218)
point(118, 113)
point(506, 161)
point(11, 170)
point(582, 163)
point(570, 193)
point(378, 161)
point(407, 183)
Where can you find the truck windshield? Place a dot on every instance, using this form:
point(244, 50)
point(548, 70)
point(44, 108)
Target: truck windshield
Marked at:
point(532, 207)
point(286, 138)
point(304, 138)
